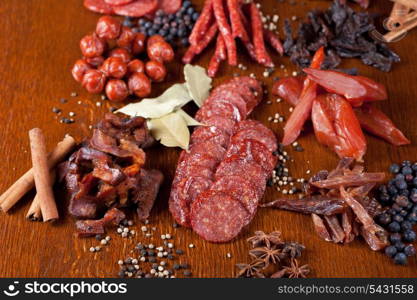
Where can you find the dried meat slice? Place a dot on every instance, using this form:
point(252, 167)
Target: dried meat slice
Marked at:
point(209, 147)
point(255, 151)
point(240, 189)
point(250, 129)
point(235, 166)
point(169, 6)
point(99, 6)
point(217, 217)
point(204, 133)
point(222, 123)
point(221, 109)
point(229, 95)
point(249, 88)
point(137, 8)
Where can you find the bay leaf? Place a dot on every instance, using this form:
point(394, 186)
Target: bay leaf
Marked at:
point(173, 98)
point(171, 130)
point(197, 82)
point(190, 121)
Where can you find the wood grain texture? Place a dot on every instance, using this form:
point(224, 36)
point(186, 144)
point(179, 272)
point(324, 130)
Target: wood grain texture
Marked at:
point(40, 43)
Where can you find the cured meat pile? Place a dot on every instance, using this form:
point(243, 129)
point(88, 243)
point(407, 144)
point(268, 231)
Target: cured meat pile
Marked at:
point(221, 179)
point(132, 8)
point(340, 205)
point(106, 172)
point(344, 33)
point(226, 22)
point(339, 105)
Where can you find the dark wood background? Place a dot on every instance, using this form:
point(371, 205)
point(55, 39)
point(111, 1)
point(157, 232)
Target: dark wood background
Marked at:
point(39, 41)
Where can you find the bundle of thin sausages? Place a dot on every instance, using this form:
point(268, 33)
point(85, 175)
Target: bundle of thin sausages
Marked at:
point(228, 21)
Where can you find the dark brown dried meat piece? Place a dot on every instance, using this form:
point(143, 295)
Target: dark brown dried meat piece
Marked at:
point(86, 228)
point(320, 205)
point(338, 236)
point(349, 180)
point(321, 228)
point(149, 184)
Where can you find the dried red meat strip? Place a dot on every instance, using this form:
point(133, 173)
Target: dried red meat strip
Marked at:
point(226, 31)
point(274, 41)
point(319, 205)
point(342, 166)
point(371, 231)
point(321, 228)
point(238, 29)
point(150, 182)
point(218, 56)
point(347, 225)
point(194, 50)
point(349, 180)
point(258, 37)
point(202, 24)
point(86, 228)
point(336, 230)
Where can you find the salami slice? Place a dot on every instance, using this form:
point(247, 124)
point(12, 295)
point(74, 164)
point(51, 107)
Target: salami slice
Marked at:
point(222, 123)
point(217, 217)
point(250, 129)
point(240, 189)
point(204, 133)
point(229, 95)
point(99, 6)
point(253, 150)
point(185, 192)
point(209, 147)
point(219, 109)
point(236, 166)
point(137, 8)
point(169, 6)
point(117, 2)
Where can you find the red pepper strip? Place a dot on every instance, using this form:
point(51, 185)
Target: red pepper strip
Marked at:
point(354, 88)
point(289, 89)
point(194, 50)
point(321, 116)
point(238, 29)
point(273, 41)
point(202, 24)
point(302, 111)
point(226, 31)
point(258, 37)
point(218, 56)
point(376, 122)
point(352, 142)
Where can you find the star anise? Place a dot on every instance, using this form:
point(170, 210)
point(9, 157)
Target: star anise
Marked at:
point(261, 238)
point(251, 269)
point(293, 250)
point(296, 271)
point(268, 255)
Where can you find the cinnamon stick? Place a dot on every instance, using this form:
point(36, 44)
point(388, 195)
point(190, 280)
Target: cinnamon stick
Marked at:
point(397, 16)
point(411, 22)
point(26, 182)
point(34, 213)
point(41, 175)
point(408, 3)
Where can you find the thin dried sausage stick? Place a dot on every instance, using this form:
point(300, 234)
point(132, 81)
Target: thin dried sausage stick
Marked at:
point(202, 24)
point(226, 31)
point(258, 37)
point(273, 41)
point(238, 30)
point(194, 50)
point(218, 56)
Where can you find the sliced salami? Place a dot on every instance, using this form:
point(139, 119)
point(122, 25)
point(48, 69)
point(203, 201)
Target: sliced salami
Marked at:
point(220, 109)
point(169, 6)
point(118, 2)
point(250, 129)
point(222, 123)
point(209, 147)
point(256, 151)
point(217, 217)
point(99, 6)
point(204, 133)
point(236, 166)
point(137, 8)
point(229, 95)
point(240, 189)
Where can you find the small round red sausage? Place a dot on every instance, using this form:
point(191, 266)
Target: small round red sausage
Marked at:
point(116, 90)
point(114, 67)
point(155, 70)
point(139, 84)
point(94, 81)
point(79, 69)
point(91, 45)
point(160, 51)
point(108, 28)
point(124, 54)
point(134, 66)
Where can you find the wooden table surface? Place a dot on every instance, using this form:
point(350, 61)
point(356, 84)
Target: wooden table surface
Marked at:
point(40, 43)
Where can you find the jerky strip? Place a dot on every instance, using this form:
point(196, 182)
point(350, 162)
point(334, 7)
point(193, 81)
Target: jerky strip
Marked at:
point(274, 41)
point(349, 180)
point(320, 205)
point(258, 37)
point(238, 29)
point(226, 31)
point(320, 228)
point(202, 24)
point(338, 235)
point(217, 57)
